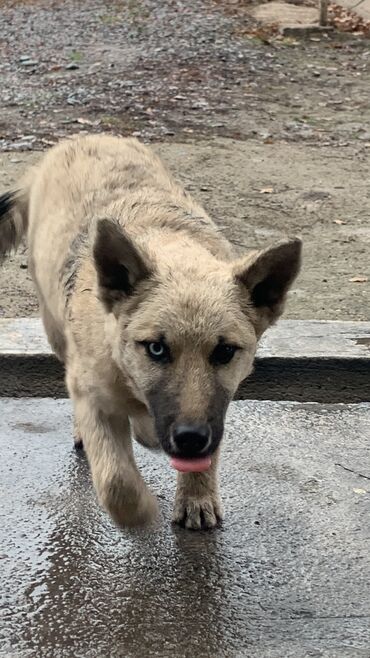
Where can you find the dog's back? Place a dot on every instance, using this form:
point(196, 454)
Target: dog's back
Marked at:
point(87, 178)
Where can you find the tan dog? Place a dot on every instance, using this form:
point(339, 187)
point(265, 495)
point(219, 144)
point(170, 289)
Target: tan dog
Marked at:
point(142, 300)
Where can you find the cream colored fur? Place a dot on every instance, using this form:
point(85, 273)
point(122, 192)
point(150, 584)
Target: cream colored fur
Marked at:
point(184, 284)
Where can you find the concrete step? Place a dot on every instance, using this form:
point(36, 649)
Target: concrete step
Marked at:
point(288, 575)
point(297, 360)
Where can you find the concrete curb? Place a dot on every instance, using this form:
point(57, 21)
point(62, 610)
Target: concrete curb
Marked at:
point(304, 30)
point(299, 360)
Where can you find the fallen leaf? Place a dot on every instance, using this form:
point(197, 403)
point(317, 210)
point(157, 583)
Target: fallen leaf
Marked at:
point(87, 122)
point(267, 190)
point(84, 122)
point(359, 279)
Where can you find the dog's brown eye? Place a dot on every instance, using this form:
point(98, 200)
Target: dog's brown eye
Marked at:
point(222, 354)
point(158, 351)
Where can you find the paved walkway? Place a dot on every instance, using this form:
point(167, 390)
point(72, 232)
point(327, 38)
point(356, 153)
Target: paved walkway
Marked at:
point(288, 575)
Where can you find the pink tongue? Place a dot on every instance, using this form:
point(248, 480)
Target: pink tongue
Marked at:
point(191, 465)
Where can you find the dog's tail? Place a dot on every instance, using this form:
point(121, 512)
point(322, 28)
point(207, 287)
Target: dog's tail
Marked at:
point(14, 217)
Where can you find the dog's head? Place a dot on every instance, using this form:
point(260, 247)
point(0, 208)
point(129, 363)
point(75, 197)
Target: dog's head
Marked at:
point(186, 327)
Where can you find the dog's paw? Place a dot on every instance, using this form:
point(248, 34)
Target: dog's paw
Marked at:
point(197, 513)
point(129, 507)
point(77, 438)
point(78, 444)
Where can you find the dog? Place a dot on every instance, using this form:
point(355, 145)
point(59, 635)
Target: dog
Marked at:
point(154, 317)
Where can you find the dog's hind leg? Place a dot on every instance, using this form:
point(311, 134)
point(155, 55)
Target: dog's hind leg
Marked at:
point(55, 336)
point(117, 481)
point(197, 502)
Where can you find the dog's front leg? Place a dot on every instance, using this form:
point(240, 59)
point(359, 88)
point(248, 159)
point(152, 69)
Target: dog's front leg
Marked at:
point(197, 502)
point(117, 481)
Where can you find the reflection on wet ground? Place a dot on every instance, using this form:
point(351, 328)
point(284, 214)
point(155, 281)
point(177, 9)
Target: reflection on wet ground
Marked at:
point(288, 574)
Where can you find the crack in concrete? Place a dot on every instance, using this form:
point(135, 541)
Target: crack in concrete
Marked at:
point(360, 475)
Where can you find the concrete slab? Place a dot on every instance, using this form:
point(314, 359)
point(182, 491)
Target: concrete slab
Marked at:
point(303, 339)
point(360, 7)
point(296, 360)
point(287, 576)
point(284, 13)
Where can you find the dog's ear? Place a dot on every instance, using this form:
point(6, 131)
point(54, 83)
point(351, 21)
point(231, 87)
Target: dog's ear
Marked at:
point(118, 263)
point(267, 275)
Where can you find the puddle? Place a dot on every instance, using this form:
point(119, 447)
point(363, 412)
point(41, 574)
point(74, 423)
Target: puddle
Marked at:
point(74, 585)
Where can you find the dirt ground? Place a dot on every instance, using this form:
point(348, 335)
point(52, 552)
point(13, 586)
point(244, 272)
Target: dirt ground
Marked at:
point(273, 136)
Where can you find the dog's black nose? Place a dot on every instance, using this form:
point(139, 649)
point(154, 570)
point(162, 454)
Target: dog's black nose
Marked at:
point(191, 440)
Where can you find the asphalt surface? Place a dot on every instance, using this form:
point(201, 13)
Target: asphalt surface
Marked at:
point(287, 575)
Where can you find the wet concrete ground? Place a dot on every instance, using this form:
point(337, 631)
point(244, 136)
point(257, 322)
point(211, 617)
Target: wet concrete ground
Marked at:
point(287, 575)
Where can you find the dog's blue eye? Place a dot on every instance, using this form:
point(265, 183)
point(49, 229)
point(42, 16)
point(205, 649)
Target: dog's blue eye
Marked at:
point(222, 354)
point(158, 351)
